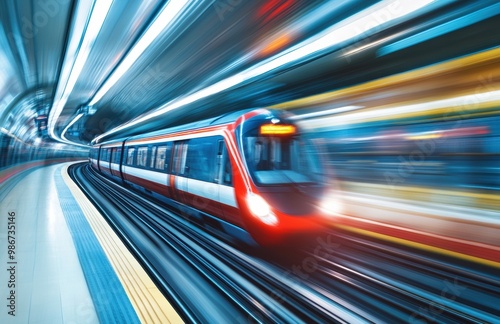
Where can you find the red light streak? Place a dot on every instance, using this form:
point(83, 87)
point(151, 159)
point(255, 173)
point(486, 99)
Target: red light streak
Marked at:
point(273, 9)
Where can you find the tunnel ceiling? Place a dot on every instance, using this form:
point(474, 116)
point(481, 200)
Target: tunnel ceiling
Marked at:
point(73, 70)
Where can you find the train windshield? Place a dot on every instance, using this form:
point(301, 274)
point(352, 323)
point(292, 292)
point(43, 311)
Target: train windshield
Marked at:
point(277, 160)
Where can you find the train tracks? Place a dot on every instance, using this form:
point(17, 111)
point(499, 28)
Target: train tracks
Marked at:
point(206, 279)
point(338, 278)
point(408, 286)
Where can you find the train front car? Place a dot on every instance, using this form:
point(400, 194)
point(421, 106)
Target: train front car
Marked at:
point(285, 180)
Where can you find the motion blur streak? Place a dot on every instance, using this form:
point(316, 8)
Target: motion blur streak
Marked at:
point(418, 156)
point(355, 144)
point(164, 20)
point(99, 12)
point(448, 27)
point(311, 48)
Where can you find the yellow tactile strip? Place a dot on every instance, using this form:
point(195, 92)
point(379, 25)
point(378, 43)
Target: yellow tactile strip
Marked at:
point(149, 303)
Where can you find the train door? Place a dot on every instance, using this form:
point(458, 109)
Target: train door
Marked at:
point(226, 193)
point(179, 170)
point(104, 160)
point(128, 163)
point(202, 175)
point(161, 160)
point(121, 160)
point(100, 154)
point(97, 156)
point(115, 161)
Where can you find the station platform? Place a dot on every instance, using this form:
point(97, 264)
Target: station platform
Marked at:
point(62, 263)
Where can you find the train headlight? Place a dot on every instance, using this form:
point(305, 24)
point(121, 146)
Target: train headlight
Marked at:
point(331, 204)
point(260, 208)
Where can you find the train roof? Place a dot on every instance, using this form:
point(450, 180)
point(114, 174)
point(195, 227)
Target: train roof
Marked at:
point(219, 120)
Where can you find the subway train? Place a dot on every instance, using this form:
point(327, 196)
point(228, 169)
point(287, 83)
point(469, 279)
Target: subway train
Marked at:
point(250, 174)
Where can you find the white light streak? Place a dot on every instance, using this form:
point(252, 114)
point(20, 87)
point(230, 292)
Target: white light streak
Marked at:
point(375, 16)
point(100, 10)
point(326, 112)
point(69, 125)
point(164, 19)
point(462, 101)
point(8, 133)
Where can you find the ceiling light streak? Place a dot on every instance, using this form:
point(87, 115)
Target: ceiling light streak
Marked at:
point(63, 134)
point(162, 21)
point(442, 29)
point(322, 113)
point(100, 10)
point(174, 104)
point(382, 13)
point(19, 38)
point(8, 133)
point(297, 27)
point(462, 101)
point(348, 29)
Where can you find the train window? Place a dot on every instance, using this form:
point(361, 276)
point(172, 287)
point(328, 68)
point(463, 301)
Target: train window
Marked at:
point(106, 155)
point(118, 154)
point(227, 175)
point(163, 154)
point(130, 155)
point(160, 157)
point(113, 155)
point(142, 156)
point(274, 160)
point(223, 164)
point(179, 161)
point(199, 159)
point(153, 157)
